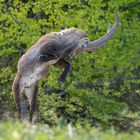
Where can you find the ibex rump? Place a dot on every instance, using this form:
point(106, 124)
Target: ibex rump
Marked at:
point(52, 49)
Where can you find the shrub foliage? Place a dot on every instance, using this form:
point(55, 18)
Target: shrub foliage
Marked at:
point(103, 88)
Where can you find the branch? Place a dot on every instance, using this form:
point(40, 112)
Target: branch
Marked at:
point(10, 14)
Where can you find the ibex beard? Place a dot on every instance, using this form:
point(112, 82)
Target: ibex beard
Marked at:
point(56, 48)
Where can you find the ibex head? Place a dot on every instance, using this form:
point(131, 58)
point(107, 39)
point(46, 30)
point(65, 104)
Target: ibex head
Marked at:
point(56, 48)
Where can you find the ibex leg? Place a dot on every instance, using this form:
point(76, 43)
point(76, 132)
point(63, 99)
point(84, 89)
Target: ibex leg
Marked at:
point(31, 94)
point(16, 94)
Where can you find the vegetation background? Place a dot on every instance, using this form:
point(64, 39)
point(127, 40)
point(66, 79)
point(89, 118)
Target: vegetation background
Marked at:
point(102, 94)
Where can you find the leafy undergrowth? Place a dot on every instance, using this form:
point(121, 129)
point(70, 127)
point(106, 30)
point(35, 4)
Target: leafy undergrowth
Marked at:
point(103, 88)
point(24, 131)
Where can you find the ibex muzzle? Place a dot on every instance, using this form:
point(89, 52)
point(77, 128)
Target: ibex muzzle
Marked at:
point(56, 48)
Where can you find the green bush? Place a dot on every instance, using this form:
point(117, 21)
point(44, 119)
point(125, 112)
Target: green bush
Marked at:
point(103, 87)
point(24, 131)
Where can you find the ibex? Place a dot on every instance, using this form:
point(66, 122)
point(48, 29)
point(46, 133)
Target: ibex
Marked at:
point(55, 48)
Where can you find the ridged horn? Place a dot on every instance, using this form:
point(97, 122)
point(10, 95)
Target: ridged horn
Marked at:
point(99, 43)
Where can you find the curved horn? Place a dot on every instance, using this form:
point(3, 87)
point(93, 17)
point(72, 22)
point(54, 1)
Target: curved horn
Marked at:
point(99, 43)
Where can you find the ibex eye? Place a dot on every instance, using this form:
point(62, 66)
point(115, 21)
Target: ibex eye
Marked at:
point(43, 57)
point(50, 55)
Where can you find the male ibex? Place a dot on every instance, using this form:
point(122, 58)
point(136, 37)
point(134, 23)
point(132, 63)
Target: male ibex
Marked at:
point(52, 49)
